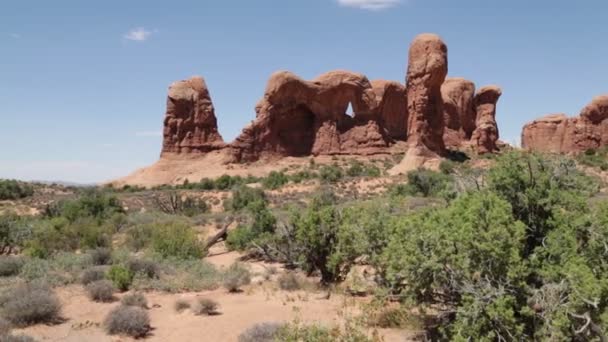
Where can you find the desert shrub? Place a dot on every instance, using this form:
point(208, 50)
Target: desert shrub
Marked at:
point(13, 190)
point(235, 277)
point(275, 180)
point(147, 267)
point(16, 338)
point(128, 320)
point(120, 276)
point(15, 231)
point(300, 176)
point(101, 291)
point(135, 299)
point(330, 173)
point(205, 306)
point(306, 333)
point(524, 258)
point(92, 274)
point(174, 203)
point(289, 282)
point(595, 158)
point(177, 240)
point(263, 224)
point(225, 182)
point(93, 203)
point(101, 256)
point(29, 304)
point(5, 326)
point(10, 266)
point(243, 197)
point(181, 305)
point(139, 236)
point(358, 169)
point(261, 332)
point(427, 183)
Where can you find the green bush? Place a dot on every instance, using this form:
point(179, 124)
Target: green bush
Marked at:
point(15, 231)
point(176, 240)
point(101, 256)
point(121, 276)
point(93, 274)
point(128, 320)
point(263, 224)
point(139, 236)
point(235, 277)
point(359, 169)
point(226, 182)
point(148, 268)
point(330, 173)
point(93, 203)
point(275, 180)
point(245, 196)
point(427, 183)
point(13, 190)
point(594, 158)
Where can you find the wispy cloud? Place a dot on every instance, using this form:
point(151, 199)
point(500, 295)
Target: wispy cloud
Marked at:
point(373, 5)
point(138, 34)
point(149, 134)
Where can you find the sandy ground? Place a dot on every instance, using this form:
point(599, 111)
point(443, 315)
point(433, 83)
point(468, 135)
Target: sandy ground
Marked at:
point(261, 301)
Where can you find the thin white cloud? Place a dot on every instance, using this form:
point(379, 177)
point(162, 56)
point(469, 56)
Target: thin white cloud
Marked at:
point(373, 5)
point(138, 34)
point(149, 134)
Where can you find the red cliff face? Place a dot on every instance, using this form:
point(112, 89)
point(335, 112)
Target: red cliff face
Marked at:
point(559, 134)
point(459, 113)
point(190, 125)
point(299, 118)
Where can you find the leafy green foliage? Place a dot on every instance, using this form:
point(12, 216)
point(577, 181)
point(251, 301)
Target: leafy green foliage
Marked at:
point(121, 276)
point(275, 180)
point(330, 173)
point(176, 240)
point(358, 169)
point(13, 190)
point(594, 158)
point(92, 204)
point(243, 197)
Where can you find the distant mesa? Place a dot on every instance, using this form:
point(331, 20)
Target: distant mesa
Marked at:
point(425, 117)
point(558, 133)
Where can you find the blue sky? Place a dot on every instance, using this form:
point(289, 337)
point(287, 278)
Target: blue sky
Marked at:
point(83, 83)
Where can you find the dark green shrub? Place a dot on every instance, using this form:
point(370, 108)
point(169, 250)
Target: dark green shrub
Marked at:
point(30, 304)
point(235, 277)
point(101, 291)
point(13, 190)
point(300, 176)
point(10, 266)
point(205, 306)
point(330, 173)
point(15, 231)
point(135, 299)
point(128, 320)
point(275, 180)
point(139, 236)
point(93, 203)
point(225, 182)
point(177, 240)
point(120, 276)
point(244, 196)
point(263, 224)
point(427, 183)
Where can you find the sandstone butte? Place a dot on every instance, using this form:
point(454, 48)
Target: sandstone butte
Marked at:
point(558, 133)
point(425, 117)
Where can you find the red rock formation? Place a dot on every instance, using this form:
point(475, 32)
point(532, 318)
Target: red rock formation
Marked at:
point(190, 125)
point(485, 136)
point(427, 69)
point(391, 99)
point(459, 114)
point(299, 118)
point(560, 134)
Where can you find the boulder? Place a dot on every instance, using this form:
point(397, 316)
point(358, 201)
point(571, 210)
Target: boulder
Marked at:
point(559, 134)
point(457, 95)
point(485, 136)
point(190, 125)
